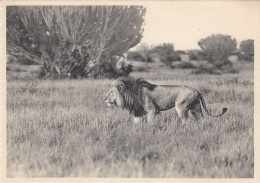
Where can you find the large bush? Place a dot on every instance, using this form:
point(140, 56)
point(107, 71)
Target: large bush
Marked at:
point(73, 41)
point(247, 50)
point(218, 48)
point(165, 52)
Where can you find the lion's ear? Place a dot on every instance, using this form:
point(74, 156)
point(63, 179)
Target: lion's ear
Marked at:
point(121, 87)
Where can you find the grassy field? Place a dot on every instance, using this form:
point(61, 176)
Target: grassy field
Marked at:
point(64, 129)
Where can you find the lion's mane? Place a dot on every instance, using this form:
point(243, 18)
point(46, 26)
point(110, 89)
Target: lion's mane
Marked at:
point(133, 95)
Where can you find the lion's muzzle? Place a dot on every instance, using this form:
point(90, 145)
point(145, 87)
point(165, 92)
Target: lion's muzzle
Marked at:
point(109, 99)
point(109, 103)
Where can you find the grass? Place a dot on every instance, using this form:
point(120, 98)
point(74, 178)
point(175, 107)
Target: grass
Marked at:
point(64, 129)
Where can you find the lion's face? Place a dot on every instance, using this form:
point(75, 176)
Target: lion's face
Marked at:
point(114, 96)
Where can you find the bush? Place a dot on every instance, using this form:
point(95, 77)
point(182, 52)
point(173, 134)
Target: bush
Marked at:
point(218, 48)
point(247, 50)
point(103, 69)
point(197, 55)
point(113, 69)
point(228, 68)
point(165, 52)
point(192, 55)
point(134, 55)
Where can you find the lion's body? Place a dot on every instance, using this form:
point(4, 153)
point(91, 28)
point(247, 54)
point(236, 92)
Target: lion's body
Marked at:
point(143, 98)
point(166, 97)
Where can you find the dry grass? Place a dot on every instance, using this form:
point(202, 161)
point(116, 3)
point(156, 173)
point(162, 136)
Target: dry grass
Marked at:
point(64, 129)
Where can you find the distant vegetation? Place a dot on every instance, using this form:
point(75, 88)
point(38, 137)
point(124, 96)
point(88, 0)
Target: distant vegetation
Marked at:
point(215, 49)
point(163, 53)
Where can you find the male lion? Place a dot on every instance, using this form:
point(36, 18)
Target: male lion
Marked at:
point(143, 98)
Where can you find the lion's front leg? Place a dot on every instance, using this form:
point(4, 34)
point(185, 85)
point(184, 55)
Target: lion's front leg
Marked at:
point(150, 116)
point(150, 108)
point(137, 119)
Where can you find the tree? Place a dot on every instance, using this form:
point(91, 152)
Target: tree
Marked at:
point(19, 43)
point(247, 49)
point(73, 40)
point(218, 48)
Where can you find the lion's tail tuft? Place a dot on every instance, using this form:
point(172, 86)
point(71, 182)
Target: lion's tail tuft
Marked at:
point(224, 110)
point(206, 110)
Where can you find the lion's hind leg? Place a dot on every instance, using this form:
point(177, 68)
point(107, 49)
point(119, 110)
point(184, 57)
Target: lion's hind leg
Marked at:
point(182, 111)
point(196, 111)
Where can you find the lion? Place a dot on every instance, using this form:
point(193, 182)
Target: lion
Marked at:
point(142, 98)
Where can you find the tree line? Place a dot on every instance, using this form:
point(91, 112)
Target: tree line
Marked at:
point(215, 48)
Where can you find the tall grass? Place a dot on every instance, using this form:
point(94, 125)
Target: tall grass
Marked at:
point(64, 129)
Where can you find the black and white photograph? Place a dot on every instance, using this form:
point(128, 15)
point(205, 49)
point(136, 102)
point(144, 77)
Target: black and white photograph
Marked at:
point(151, 89)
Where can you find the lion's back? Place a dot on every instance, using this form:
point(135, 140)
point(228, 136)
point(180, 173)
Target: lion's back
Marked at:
point(166, 95)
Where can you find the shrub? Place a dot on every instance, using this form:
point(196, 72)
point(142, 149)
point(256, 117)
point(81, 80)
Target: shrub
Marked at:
point(218, 48)
point(165, 52)
point(134, 55)
point(228, 68)
point(109, 70)
point(247, 50)
point(197, 55)
point(103, 69)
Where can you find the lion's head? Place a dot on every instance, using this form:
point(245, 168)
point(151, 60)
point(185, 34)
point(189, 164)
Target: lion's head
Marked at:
point(114, 96)
point(127, 93)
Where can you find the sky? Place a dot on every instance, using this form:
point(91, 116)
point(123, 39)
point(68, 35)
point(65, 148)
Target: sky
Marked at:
point(185, 23)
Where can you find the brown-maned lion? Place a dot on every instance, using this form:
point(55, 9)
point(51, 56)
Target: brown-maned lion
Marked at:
point(143, 98)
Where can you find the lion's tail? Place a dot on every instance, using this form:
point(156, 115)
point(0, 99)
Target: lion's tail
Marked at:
point(205, 107)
